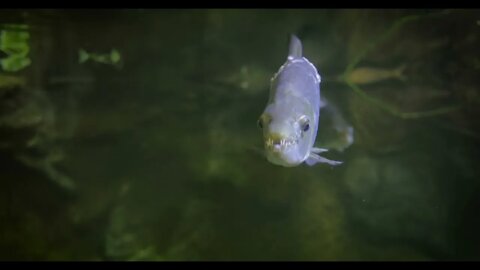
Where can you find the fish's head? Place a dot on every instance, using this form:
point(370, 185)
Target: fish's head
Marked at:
point(289, 131)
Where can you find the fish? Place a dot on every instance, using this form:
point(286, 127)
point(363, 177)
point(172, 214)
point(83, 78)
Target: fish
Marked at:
point(368, 75)
point(113, 58)
point(290, 119)
point(249, 79)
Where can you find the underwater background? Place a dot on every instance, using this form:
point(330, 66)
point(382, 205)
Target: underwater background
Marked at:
point(132, 135)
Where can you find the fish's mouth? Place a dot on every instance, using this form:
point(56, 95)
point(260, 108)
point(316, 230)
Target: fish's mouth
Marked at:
point(279, 143)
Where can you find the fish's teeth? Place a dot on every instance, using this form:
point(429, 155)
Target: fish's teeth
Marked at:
point(283, 143)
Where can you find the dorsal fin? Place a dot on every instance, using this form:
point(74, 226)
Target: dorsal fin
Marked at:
point(295, 49)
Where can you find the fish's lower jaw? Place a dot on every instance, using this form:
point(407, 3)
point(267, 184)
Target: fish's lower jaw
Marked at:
point(276, 159)
point(282, 158)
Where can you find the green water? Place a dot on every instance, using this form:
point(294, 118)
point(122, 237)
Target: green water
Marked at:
point(149, 150)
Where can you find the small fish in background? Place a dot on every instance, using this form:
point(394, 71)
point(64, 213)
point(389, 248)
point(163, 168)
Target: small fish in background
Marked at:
point(250, 79)
point(367, 75)
point(113, 58)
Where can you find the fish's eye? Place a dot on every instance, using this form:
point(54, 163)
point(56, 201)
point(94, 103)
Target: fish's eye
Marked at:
point(304, 123)
point(306, 127)
point(260, 123)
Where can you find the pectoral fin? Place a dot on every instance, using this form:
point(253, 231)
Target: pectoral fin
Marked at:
point(314, 159)
point(317, 150)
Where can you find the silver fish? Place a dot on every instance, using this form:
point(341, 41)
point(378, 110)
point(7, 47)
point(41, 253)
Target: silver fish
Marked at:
point(290, 119)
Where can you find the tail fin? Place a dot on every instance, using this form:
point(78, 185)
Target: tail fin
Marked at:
point(295, 49)
point(82, 56)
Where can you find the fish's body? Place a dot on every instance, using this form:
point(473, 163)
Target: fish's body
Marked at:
point(367, 75)
point(113, 58)
point(290, 119)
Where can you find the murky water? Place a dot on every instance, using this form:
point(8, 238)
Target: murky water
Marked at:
point(132, 135)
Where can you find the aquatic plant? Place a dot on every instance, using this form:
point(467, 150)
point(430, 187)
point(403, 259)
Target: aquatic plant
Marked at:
point(14, 42)
point(377, 102)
